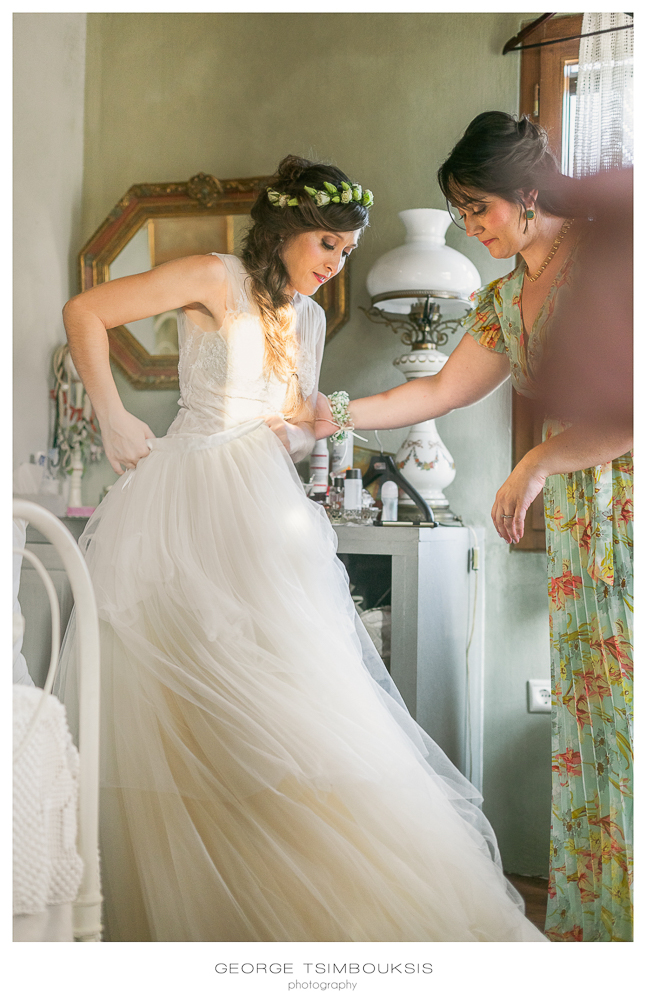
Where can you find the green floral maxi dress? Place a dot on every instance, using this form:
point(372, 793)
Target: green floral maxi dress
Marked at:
point(588, 518)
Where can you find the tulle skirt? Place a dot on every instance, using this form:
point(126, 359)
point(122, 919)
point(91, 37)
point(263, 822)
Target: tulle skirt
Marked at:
point(261, 777)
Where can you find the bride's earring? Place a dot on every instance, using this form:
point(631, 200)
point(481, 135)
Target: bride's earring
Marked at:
point(529, 213)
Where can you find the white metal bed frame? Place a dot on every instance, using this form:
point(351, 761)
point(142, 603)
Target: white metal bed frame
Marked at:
point(87, 907)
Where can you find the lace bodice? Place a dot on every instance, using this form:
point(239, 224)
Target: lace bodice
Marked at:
point(221, 376)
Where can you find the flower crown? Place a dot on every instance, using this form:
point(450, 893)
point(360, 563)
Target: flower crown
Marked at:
point(341, 195)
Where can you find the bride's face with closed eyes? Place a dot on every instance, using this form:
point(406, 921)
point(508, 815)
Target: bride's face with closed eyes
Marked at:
point(313, 257)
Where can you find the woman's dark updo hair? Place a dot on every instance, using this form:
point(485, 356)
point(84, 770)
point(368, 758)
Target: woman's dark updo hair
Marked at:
point(499, 155)
point(261, 254)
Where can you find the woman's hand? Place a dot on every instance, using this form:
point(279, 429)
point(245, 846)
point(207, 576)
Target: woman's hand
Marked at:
point(277, 423)
point(124, 439)
point(582, 446)
point(513, 499)
point(197, 283)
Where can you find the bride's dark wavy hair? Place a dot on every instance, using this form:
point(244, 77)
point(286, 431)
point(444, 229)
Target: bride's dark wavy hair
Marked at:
point(500, 155)
point(261, 255)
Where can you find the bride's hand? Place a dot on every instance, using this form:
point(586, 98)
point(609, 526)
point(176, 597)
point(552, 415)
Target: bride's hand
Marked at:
point(124, 439)
point(277, 423)
point(325, 425)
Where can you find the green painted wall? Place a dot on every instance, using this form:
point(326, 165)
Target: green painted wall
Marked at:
point(385, 96)
point(48, 78)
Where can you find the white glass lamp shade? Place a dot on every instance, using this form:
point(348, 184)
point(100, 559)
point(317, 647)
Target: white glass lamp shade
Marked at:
point(424, 263)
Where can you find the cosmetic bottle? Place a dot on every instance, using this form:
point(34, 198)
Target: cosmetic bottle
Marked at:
point(369, 509)
point(389, 499)
point(352, 491)
point(319, 493)
point(335, 496)
point(342, 455)
point(320, 463)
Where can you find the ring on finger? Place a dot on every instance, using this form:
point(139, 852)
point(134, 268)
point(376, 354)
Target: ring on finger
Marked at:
point(507, 515)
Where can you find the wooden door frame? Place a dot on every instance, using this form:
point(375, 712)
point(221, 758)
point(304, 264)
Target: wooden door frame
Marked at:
point(542, 80)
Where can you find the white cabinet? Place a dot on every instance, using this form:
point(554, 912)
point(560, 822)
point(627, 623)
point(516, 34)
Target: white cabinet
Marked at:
point(432, 599)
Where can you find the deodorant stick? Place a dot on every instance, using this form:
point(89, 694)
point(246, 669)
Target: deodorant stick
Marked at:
point(389, 498)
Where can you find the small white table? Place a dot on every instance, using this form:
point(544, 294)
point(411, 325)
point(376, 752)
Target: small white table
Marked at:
point(432, 600)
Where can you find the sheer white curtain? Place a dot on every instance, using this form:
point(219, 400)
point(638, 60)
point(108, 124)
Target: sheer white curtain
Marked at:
point(603, 136)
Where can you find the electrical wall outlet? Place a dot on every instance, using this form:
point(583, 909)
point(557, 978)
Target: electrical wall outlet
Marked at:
point(539, 696)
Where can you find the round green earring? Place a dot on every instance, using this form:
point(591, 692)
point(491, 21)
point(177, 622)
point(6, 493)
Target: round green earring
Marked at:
point(529, 213)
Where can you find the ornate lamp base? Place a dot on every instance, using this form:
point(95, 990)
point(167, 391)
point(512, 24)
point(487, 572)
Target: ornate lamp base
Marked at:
point(423, 457)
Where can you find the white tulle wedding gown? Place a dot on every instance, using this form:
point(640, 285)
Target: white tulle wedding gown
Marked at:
point(261, 777)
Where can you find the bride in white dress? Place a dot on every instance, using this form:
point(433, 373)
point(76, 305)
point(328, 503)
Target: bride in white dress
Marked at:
point(261, 777)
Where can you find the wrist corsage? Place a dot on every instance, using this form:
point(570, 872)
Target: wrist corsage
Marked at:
point(340, 408)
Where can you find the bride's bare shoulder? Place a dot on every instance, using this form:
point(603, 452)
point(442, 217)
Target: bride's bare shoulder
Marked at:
point(207, 267)
point(209, 279)
point(196, 271)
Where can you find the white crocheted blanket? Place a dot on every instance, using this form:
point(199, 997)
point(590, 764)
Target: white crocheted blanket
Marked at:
point(47, 868)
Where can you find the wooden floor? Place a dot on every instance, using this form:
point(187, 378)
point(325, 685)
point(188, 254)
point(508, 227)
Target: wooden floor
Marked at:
point(534, 892)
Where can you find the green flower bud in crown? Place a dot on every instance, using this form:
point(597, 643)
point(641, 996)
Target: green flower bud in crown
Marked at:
point(344, 194)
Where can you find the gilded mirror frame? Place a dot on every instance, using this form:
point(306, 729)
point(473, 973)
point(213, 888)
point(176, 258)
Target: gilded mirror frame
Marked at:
point(202, 195)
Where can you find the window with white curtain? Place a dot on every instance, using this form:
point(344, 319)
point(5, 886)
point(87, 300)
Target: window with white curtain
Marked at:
point(571, 75)
point(603, 127)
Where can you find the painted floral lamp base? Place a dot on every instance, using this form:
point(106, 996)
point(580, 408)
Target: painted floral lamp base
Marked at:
point(423, 457)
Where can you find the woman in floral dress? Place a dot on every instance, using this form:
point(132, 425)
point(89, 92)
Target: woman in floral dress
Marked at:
point(493, 178)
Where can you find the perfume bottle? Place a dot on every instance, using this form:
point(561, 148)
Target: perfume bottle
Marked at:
point(335, 498)
point(369, 509)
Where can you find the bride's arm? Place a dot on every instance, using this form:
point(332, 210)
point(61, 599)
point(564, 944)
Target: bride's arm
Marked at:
point(88, 317)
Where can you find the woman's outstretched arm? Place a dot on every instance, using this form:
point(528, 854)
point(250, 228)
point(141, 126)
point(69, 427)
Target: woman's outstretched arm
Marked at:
point(196, 281)
point(470, 374)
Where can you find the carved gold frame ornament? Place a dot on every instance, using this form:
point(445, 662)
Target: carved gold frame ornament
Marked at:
point(202, 195)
